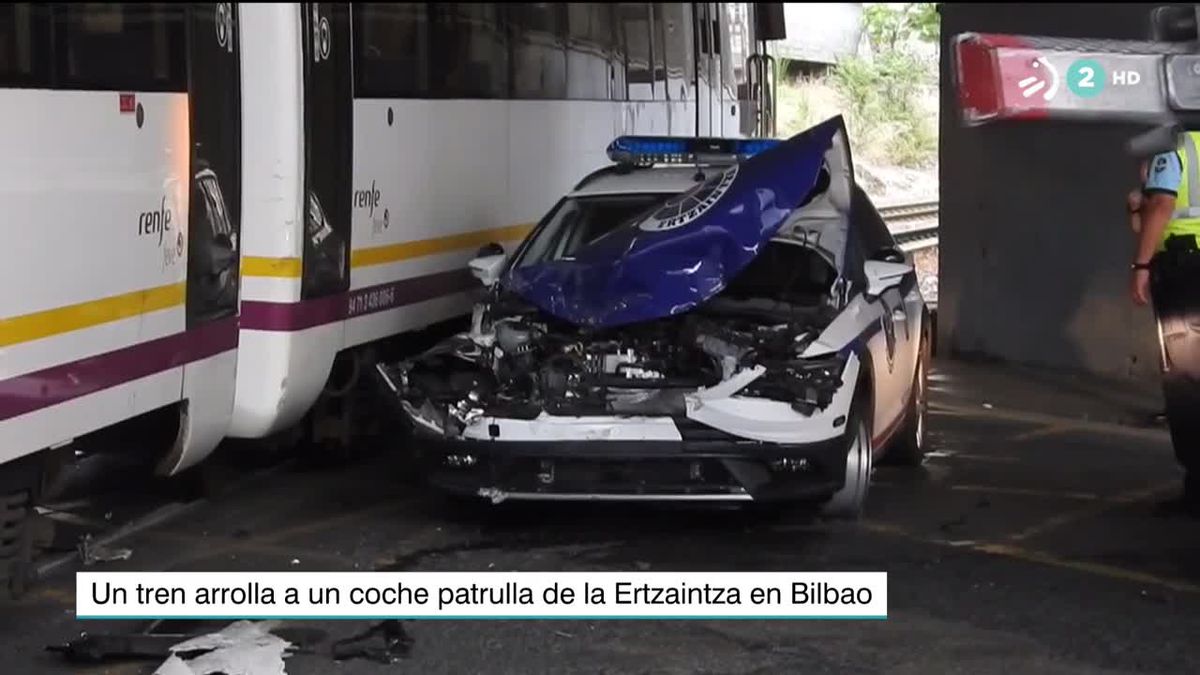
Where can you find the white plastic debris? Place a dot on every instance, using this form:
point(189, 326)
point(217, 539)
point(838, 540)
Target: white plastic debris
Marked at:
point(174, 666)
point(92, 553)
point(241, 648)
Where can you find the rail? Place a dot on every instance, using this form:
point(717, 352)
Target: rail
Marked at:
point(913, 224)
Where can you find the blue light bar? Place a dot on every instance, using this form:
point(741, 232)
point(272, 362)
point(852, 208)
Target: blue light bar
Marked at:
point(651, 150)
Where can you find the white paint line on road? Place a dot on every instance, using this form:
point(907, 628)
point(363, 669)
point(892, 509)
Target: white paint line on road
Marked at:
point(1107, 428)
point(1038, 557)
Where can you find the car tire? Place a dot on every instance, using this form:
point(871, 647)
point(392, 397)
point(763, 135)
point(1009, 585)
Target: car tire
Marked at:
point(1182, 398)
point(849, 502)
point(909, 447)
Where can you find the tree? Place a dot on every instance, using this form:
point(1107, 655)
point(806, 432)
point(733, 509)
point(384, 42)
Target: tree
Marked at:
point(890, 25)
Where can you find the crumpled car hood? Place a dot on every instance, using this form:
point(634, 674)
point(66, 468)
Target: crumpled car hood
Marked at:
point(676, 257)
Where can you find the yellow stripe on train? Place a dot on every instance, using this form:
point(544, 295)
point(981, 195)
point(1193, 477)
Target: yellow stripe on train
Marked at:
point(381, 255)
point(291, 268)
point(286, 268)
point(37, 325)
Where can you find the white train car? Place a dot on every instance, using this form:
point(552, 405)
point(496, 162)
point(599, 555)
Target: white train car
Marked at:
point(210, 206)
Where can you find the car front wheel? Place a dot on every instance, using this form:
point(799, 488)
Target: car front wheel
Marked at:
point(849, 502)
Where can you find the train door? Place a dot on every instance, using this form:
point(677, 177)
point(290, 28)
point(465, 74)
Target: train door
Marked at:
point(754, 72)
point(767, 20)
point(213, 229)
point(725, 98)
point(328, 148)
point(215, 198)
point(708, 98)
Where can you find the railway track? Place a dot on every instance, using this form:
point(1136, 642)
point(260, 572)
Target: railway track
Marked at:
point(914, 224)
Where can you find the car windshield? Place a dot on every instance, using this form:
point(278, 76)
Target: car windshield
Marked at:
point(579, 221)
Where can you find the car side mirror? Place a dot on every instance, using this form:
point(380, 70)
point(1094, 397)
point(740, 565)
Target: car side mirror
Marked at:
point(487, 264)
point(489, 250)
point(883, 275)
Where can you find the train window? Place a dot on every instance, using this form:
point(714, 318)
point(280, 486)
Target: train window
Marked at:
point(635, 26)
point(469, 51)
point(539, 55)
point(707, 37)
point(619, 90)
point(740, 41)
point(23, 30)
point(121, 46)
point(721, 29)
point(678, 50)
point(591, 37)
point(714, 10)
point(658, 53)
point(392, 43)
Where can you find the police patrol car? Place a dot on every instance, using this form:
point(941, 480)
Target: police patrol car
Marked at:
point(704, 319)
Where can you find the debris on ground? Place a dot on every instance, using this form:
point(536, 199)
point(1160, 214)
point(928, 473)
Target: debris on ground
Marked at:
point(102, 647)
point(92, 553)
point(241, 648)
point(174, 666)
point(304, 638)
point(395, 644)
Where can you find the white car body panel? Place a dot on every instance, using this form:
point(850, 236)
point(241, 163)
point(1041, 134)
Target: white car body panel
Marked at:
point(775, 421)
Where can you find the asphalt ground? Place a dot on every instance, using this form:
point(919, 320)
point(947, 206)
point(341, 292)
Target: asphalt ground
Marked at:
point(1028, 542)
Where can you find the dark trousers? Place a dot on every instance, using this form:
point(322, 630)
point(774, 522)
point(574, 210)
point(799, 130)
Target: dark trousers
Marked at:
point(1175, 286)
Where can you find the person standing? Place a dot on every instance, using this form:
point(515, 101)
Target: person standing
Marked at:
point(1166, 273)
point(1134, 206)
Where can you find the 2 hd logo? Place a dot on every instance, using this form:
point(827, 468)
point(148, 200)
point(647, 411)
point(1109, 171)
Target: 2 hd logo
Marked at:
point(1085, 78)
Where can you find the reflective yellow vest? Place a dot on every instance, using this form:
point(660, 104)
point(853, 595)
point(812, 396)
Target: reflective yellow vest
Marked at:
point(1186, 219)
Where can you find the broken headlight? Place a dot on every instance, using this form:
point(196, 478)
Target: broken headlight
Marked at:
point(808, 385)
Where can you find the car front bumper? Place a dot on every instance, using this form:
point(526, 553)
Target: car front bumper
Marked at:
point(703, 464)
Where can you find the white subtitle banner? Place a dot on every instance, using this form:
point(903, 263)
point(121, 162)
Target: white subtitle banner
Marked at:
point(481, 595)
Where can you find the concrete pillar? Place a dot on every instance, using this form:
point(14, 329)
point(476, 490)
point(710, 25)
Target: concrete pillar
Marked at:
point(1034, 241)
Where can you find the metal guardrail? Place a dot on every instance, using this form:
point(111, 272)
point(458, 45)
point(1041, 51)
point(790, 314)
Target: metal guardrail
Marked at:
point(917, 235)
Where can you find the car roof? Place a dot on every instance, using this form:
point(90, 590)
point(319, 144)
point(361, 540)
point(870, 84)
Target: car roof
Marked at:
point(620, 180)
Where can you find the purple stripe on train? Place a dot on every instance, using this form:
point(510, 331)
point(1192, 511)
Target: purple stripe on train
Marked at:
point(33, 391)
point(294, 316)
point(58, 384)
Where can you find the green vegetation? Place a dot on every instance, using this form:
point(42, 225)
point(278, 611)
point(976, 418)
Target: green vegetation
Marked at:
point(887, 97)
point(890, 25)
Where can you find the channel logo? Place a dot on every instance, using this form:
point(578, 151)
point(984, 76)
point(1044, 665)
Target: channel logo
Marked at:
point(1046, 79)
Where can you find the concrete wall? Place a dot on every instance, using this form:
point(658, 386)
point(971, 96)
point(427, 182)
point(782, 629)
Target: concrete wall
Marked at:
point(1034, 241)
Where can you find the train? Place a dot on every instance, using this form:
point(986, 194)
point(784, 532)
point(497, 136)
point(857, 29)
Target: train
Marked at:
point(216, 212)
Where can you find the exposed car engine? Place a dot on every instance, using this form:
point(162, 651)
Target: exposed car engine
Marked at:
point(524, 363)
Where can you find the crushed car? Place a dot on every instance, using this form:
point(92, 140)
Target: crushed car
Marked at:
point(705, 319)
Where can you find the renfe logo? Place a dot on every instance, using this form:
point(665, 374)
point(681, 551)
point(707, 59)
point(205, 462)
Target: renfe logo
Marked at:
point(155, 222)
point(367, 199)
